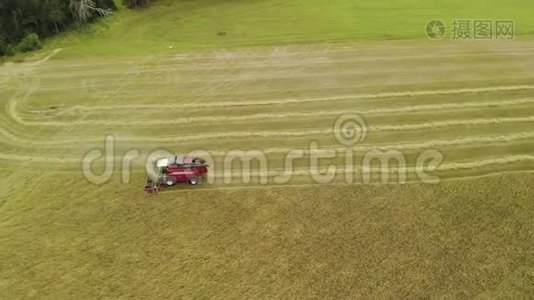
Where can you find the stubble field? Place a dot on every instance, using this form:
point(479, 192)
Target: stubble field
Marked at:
point(469, 235)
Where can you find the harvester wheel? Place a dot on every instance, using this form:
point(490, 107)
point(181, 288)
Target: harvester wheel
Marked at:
point(194, 180)
point(170, 182)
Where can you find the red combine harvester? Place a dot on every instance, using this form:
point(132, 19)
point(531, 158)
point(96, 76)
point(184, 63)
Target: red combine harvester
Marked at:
point(172, 170)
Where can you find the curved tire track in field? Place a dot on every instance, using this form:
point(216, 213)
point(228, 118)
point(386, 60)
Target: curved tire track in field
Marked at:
point(406, 146)
point(287, 58)
point(308, 185)
point(443, 167)
point(305, 100)
point(31, 85)
point(31, 142)
point(403, 146)
point(339, 170)
point(378, 111)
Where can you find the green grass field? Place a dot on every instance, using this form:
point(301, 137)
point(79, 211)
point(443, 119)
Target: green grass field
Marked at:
point(195, 25)
point(276, 81)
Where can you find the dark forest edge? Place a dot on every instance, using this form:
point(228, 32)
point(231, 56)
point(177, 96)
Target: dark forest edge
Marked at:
point(23, 23)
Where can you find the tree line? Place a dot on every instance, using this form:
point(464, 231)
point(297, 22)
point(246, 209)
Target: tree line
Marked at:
point(24, 22)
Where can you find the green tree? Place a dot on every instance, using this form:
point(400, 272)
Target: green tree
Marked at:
point(85, 10)
point(30, 42)
point(46, 17)
point(3, 46)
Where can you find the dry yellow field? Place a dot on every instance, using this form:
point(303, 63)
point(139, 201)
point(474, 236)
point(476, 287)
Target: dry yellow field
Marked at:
point(470, 235)
point(434, 202)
